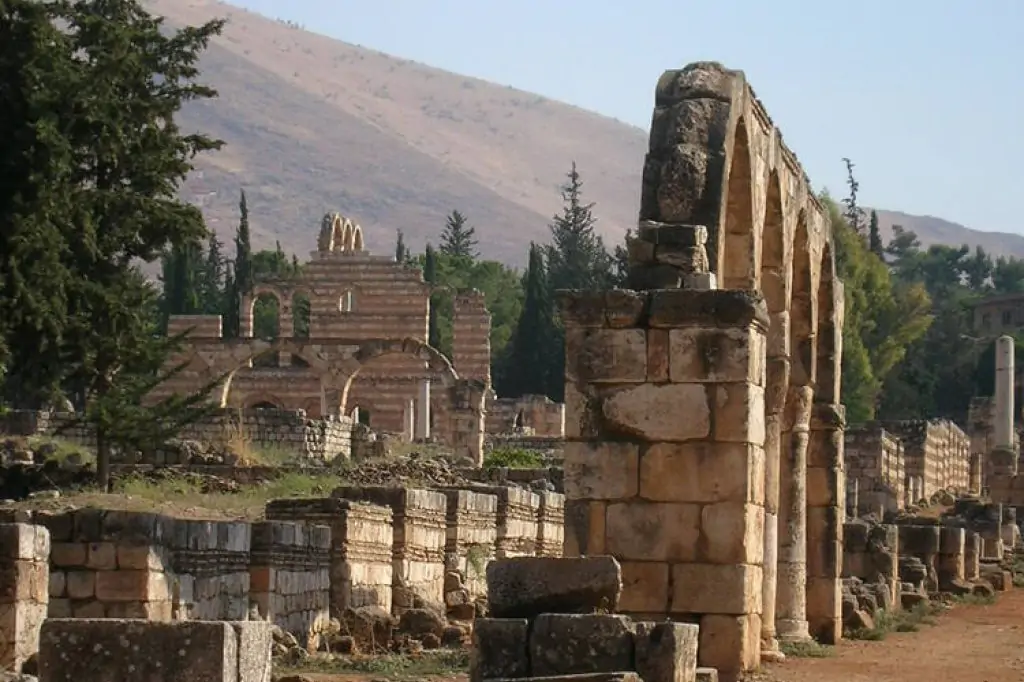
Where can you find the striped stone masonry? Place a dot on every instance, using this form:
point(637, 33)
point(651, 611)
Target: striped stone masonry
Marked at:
point(550, 524)
point(472, 534)
point(290, 574)
point(518, 520)
point(362, 536)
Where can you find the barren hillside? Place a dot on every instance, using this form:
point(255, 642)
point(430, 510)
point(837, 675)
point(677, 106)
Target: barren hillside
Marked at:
point(315, 124)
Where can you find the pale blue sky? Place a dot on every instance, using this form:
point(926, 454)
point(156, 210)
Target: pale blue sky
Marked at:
point(925, 96)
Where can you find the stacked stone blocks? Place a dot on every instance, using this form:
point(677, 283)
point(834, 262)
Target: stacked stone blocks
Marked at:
point(290, 574)
point(664, 456)
point(875, 470)
point(471, 536)
point(362, 535)
point(24, 578)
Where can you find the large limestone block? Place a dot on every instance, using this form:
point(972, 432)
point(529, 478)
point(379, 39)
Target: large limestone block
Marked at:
point(523, 587)
point(601, 471)
point(659, 412)
point(500, 649)
point(667, 652)
point(715, 472)
point(563, 644)
point(123, 650)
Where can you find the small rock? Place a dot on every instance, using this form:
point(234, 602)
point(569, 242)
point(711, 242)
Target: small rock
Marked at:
point(420, 622)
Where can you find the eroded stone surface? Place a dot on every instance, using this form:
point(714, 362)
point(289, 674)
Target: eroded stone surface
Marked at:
point(525, 587)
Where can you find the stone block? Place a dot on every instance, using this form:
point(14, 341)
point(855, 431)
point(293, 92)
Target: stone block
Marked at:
point(255, 642)
point(715, 472)
point(119, 650)
point(732, 533)
point(658, 412)
point(739, 413)
point(716, 355)
point(524, 587)
point(606, 355)
point(730, 644)
point(651, 531)
point(500, 649)
point(601, 471)
point(666, 652)
point(562, 644)
point(716, 589)
point(586, 677)
point(645, 587)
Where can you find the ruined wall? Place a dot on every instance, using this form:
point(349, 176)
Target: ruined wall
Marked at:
point(936, 451)
point(279, 430)
point(471, 337)
point(875, 470)
point(981, 431)
point(289, 574)
point(537, 415)
point(24, 588)
point(471, 536)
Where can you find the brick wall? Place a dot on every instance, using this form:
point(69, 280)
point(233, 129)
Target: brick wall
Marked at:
point(24, 580)
point(938, 451)
point(537, 414)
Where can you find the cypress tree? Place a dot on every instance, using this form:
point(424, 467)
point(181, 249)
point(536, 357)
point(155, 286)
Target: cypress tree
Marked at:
point(875, 236)
point(243, 250)
point(401, 250)
point(530, 365)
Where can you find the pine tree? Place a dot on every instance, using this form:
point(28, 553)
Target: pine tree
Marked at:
point(243, 250)
point(401, 250)
point(230, 304)
point(577, 257)
point(620, 266)
point(212, 294)
point(430, 277)
point(854, 213)
point(530, 367)
point(457, 239)
point(125, 79)
point(875, 236)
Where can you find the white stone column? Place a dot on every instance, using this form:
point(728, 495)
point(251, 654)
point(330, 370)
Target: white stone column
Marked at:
point(1004, 393)
point(423, 411)
point(791, 591)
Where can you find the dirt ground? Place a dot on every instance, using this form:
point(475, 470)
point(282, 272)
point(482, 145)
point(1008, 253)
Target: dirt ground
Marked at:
point(969, 643)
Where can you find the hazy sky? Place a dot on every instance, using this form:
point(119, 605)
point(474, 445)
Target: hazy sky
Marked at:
point(926, 96)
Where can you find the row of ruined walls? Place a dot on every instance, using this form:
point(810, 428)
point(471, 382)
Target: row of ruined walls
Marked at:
point(894, 464)
point(308, 561)
point(292, 431)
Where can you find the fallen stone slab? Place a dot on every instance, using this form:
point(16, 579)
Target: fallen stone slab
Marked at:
point(586, 677)
point(524, 587)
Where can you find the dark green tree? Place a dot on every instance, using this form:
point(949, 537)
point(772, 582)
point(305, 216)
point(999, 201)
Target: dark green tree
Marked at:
point(854, 214)
point(37, 84)
point(243, 249)
point(529, 366)
point(577, 258)
point(458, 238)
point(875, 236)
point(620, 261)
point(130, 77)
point(212, 290)
point(430, 277)
point(401, 250)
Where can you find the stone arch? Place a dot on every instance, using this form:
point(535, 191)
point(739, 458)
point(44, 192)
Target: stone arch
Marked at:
point(801, 309)
point(437, 363)
point(827, 366)
point(246, 354)
point(357, 238)
point(263, 401)
point(737, 251)
point(248, 311)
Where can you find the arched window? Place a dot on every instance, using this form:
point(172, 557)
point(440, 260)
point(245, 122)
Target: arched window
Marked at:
point(346, 303)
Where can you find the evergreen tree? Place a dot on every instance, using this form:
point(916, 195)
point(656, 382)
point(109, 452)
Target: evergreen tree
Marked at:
point(127, 78)
point(458, 238)
point(875, 236)
point(230, 302)
point(243, 249)
point(35, 159)
point(620, 267)
point(854, 213)
point(212, 294)
point(401, 250)
point(576, 257)
point(183, 292)
point(530, 367)
point(430, 277)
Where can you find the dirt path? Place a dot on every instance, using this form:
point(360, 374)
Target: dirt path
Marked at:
point(967, 644)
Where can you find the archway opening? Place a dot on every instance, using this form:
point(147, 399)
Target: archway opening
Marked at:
point(266, 325)
point(264, 405)
point(300, 315)
point(737, 256)
point(827, 369)
point(801, 327)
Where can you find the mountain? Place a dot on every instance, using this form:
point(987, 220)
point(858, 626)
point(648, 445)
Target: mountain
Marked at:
point(314, 125)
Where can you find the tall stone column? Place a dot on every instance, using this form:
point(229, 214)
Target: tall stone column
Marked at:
point(409, 421)
point(775, 403)
point(423, 411)
point(664, 455)
point(826, 499)
point(1003, 458)
point(791, 598)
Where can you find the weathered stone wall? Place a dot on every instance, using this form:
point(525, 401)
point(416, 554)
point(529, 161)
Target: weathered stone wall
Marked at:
point(981, 430)
point(471, 336)
point(419, 540)
point(871, 554)
point(471, 536)
point(550, 524)
point(24, 588)
point(935, 451)
point(288, 430)
point(875, 470)
point(551, 477)
point(552, 445)
point(88, 650)
point(290, 574)
point(518, 520)
point(537, 414)
point(362, 536)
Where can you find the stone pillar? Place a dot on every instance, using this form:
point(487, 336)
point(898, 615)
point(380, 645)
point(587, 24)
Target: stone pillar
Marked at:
point(423, 411)
point(775, 403)
point(852, 498)
point(24, 591)
point(678, 376)
point(409, 421)
point(1004, 454)
point(826, 493)
point(975, 473)
point(791, 599)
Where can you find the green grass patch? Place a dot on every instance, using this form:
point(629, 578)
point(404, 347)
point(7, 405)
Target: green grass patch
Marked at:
point(809, 649)
point(514, 458)
point(887, 622)
point(440, 663)
point(62, 449)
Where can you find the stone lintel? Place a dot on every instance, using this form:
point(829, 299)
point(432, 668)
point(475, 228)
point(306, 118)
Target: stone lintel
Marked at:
point(663, 308)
